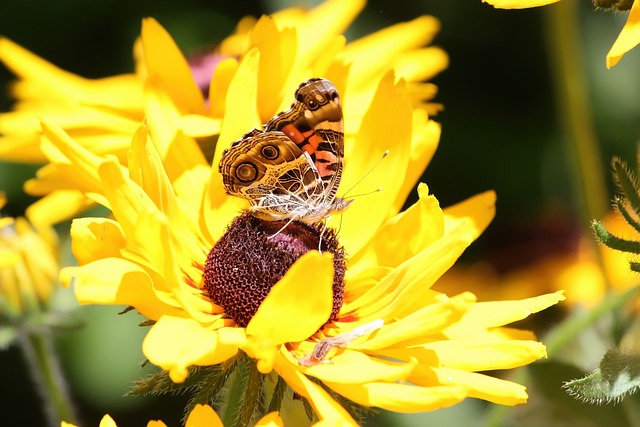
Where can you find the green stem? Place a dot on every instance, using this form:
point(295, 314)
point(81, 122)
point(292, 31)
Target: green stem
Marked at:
point(39, 351)
point(570, 328)
point(567, 70)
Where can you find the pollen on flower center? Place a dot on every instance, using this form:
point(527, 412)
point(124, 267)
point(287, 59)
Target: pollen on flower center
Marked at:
point(254, 254)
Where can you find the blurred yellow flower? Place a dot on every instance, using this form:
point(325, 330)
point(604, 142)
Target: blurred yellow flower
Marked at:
point(286, 48)
point(426, 349)
point(200, 416)
point(28, 267)
point(628, 39)
point(578, 271)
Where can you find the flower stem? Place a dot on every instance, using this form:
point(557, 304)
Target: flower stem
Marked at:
point(560, 21)
point(38, 350)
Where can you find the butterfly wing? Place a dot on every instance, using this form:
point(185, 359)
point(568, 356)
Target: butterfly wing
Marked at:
point(315, 124)
point(268, 169)
point(292, 169)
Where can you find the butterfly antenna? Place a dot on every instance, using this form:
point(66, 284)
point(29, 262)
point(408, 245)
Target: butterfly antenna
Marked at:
point(377, 190)
point(293, 218)
point(385, 154)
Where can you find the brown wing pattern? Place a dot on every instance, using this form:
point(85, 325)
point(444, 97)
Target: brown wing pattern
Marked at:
point(292, 169)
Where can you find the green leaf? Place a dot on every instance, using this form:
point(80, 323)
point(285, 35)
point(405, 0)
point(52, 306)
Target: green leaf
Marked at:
point(8, 334)
point(160, 383)
point(253, 399)
point(627, 183)
point(550, 405)
point(278, 395)
point(613, 241)
point(617, 376)
point(621, 205)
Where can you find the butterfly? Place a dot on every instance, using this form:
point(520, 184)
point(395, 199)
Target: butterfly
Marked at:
point(291, 170)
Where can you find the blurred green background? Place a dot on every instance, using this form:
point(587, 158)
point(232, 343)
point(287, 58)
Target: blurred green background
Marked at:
point(500, 131)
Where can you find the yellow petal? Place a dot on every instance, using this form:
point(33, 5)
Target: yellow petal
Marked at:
point(162, 115)
point(629, 36)
point(498, 313)
point(240, 117)
point(421, 64)
point(175, 343)
point(126, 199)
point(199, 126)
point(323, 22)
point(350, 367)
point(291, 312)
point(114, 281)
point(220, 81)
point(427, 321)
point(96, 238)
point(148, 235)
point(146, 169)
point(518, 4)
point(405, 289)
point(391, 103)
point(482, 386)
point(84, 163)
point(359, 284)
point(165, 61)
point(156, 423)
point(58, 206)
point(401, 397)
point(203, 416)
point(404, 235)
point(27, 65)
point(424, 141)
point(241, 113)
point(476, 213)
point(277, 49)
point(484, 355)
point(107, 421)
point(272, 419)
point(323, 405)
point(372, 55)
point(8, 257)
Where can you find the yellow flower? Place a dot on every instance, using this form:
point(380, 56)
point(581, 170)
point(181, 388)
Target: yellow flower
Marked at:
point(28, 267)
point(287, 48)
point(200, 416)
point(394, 343)
point(628, 39)
point(578, 270)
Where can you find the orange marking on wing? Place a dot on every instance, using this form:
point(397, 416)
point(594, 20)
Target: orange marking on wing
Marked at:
point(293, 134)
point(314, 140)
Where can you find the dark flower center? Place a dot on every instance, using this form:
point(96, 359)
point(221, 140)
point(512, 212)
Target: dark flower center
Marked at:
point(254, 254)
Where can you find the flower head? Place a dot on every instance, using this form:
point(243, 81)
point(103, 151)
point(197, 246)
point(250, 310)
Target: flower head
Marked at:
point(389, 340)
point(28, 268)
point(394, 343)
